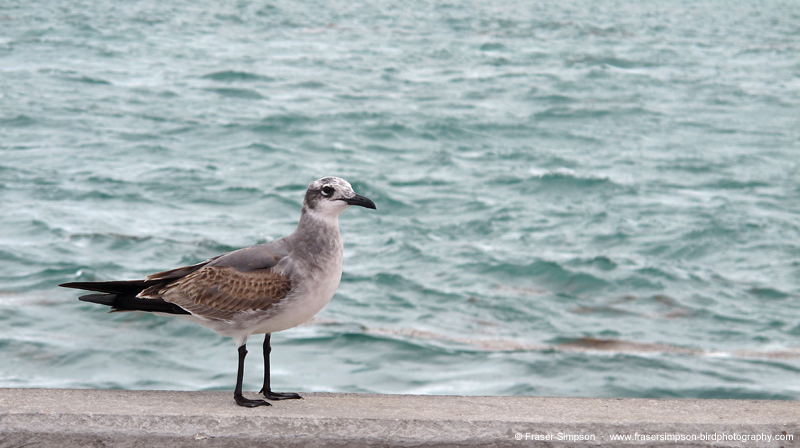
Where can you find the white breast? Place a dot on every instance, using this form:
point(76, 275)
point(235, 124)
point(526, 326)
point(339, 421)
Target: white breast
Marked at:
point(312, 293)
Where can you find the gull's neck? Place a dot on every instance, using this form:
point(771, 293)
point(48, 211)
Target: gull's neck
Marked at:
point(314, 221)
point(317, 241)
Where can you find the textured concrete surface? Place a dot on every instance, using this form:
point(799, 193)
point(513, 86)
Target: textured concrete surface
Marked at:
point(78, 418)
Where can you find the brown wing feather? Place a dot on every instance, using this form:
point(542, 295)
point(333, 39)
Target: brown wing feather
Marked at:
point(177, 273)
point(220, 292)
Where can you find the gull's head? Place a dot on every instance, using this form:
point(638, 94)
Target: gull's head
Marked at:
point(329, 196)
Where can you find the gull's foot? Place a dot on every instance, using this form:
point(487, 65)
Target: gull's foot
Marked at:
point(280, 395)
point(241, 401)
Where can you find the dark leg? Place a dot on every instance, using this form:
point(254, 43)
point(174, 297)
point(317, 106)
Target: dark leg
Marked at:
point(266, 390)
point(237, 393)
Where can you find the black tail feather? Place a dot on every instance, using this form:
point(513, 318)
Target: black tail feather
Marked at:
point(102, 299)
point(122, 302)
point(121, 296)
point(119, 287)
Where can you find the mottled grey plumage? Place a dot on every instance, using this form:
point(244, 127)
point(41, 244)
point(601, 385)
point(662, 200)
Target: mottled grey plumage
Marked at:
point(259, 289)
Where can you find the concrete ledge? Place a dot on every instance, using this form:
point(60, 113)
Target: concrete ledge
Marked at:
point(72, 418)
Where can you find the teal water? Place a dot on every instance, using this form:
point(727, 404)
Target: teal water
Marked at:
point(588, 198)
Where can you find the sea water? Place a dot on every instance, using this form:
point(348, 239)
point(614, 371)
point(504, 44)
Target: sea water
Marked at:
point(575, 198)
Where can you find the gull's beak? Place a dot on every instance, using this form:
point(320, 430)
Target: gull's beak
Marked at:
point(361, 201)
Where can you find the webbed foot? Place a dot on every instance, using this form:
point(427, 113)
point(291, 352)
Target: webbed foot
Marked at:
point(248, 403)
point(280, 395)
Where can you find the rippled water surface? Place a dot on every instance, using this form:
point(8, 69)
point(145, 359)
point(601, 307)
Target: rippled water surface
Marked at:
point(587, 198)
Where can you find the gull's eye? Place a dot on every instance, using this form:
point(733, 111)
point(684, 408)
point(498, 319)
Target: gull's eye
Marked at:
point(327, 191)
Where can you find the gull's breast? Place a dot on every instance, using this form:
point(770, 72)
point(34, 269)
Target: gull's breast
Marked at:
point(307, 298)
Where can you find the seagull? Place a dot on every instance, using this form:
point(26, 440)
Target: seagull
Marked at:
point(259, 289)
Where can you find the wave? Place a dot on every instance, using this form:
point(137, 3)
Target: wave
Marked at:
point(768, 293)
point(545, 273)
point(20, 121)
point(601, 262)
point(234, 76)
point(310, 85)
point(591, 60)
point(228, 92)
point(292, 124)
point(587, 345)
point(736, 184)
point(89, 80)
point(567, 178)
point(588, 113)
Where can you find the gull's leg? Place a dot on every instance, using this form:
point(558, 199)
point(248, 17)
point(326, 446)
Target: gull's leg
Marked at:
point(237, 393)
point(266, 389)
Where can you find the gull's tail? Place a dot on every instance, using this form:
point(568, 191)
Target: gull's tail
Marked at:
point(121, 296)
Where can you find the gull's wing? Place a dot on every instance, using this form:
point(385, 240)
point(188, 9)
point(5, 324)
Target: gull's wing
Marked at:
point(242, 280)
point(174, 274)
point(262, 256)
point(221, 292)
point(216, 288)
